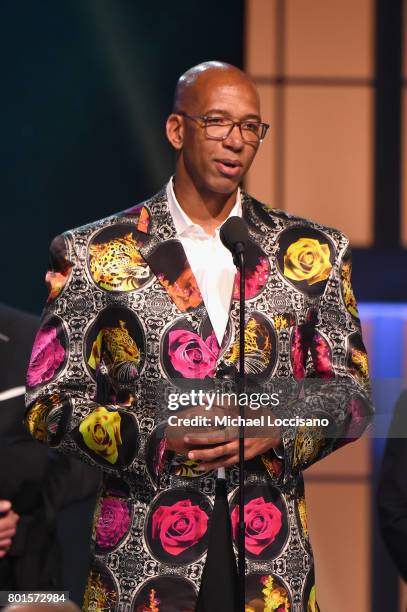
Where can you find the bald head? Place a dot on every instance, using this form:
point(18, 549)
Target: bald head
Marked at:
point(195, 81)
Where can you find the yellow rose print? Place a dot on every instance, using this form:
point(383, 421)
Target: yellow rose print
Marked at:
point(307, 260)
point(101, 433)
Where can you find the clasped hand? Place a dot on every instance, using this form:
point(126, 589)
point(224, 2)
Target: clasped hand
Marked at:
point(217, 446)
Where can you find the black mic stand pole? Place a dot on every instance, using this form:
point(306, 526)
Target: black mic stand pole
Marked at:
point(241, 389)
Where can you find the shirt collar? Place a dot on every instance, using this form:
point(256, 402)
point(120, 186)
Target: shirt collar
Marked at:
point(183, 224)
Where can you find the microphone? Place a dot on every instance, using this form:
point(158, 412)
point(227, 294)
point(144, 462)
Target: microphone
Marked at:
point(234, 236)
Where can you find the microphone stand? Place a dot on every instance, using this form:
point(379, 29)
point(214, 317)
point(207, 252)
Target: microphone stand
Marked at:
point(234, 235)
point(241, 388)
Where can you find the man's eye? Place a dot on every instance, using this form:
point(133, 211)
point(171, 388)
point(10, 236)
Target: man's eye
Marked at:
point(252, 126)
point(217, 121)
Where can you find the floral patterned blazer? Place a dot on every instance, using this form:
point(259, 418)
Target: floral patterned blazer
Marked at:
point(124, 317)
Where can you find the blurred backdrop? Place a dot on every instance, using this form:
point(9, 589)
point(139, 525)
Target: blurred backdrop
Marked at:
point(86, 86)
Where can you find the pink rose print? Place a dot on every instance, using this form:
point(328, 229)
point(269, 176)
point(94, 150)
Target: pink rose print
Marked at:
point(321, 357)
point(179, 526)
point(46, 357)
point(263, 524)
point(298, 353)
point(254, 281)
point(192, 356)
point(113, 521)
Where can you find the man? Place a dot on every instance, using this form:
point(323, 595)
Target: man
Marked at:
point(147, 299)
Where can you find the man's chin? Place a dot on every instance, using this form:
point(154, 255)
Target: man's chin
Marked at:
point(224, 185)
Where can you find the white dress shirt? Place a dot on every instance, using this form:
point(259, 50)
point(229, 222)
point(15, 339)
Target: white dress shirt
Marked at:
point(210, 261)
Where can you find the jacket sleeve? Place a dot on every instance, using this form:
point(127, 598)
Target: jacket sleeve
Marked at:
point(70, 404)
point(332, 405)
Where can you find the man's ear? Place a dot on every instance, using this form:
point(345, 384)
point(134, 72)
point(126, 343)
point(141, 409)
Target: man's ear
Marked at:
point(175, 130)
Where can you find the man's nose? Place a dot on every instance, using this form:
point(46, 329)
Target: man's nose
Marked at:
point(234, 140)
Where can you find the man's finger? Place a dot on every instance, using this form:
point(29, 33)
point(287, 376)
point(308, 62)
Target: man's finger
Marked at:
point(217, 436)
point(210, 454)
point(210, 437)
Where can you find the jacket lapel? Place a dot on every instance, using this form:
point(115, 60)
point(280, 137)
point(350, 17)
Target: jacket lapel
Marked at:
point(166, 257)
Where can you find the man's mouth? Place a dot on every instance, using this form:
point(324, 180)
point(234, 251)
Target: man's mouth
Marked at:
point(228, 167)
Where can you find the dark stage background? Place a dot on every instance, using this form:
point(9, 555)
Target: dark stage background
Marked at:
point(86, 88)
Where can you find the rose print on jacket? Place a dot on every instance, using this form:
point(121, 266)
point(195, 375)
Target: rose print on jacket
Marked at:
point(307, 260)
point(266, 519)
point(113, 521)
point(101, 433)
point(179, 526)
point(192, 356)
point(47, 356)
point(263, 524)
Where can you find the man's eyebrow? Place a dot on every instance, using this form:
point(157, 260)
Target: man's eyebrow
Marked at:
point(219, 111)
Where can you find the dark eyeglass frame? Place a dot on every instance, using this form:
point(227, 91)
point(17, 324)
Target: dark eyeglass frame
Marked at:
point(205, 118)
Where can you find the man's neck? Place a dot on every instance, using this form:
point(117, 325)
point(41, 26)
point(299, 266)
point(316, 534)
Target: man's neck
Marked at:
point(207, 209)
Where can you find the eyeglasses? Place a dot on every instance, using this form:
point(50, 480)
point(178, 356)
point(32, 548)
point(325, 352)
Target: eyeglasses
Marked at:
point(219, 128)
